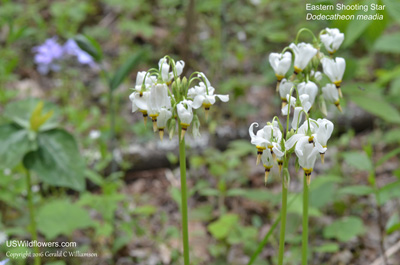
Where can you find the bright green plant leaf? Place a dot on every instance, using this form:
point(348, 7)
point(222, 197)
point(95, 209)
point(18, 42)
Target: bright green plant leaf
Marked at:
point(387, 43)
point(356, 28)
point(14, 145)
point(376, 105)
point(145, 210)
point(358, 160)
point(357, 190)
point(345, 229)
point(393, 224)
point(393, 8)
point(125, 69)
point(388, 156)
point(57, 160)
point(90, 45)
point(327, 248)
point(21, 111)
point(61, 217)
point(389, 191)
point(221, 228)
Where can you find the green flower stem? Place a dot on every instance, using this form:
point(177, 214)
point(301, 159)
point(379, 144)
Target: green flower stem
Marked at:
point(32, 215)
point(184, 207)
point(304, 249)
point(283, 224)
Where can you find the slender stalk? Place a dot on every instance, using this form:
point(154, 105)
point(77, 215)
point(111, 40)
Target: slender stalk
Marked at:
point(304, 248)
point(184, 207)
point(283, 224)
point(112, 129)
point(32, 216)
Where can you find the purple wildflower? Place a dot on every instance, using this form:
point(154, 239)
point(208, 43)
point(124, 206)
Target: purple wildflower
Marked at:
point(47, 56)
point(71, 48)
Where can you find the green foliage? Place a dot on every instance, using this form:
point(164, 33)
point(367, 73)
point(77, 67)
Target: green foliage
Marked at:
point(345, 228)
point(15, 144)
point(57, 160)
point(53, 214)
point(220, 229)
point(90, 45)
point(126, 69)
point(358, 160)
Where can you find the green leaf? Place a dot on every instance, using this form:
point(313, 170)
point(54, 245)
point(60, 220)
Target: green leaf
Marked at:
point(388, 43)
point(356, 190)
point(393, 8)
point(327, 248)
point(356, 28)
point(376, 105)
point(389, 191)
point(393, 224)
point(61, 217)
point(345, 229)
point(358, 160)
point(57, 160)
point(90, 45)
point(125, 70)
point(15, 144)
point(220, 229)
point(21, 111)
point(145, 210)
point(388, 156)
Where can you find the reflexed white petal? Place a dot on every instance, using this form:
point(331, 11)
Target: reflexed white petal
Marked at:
point(303, 53)
point(251, 129)
point(179, 67)
point(292, 141)
point(223, 98)
point(198, 101)
point(297, 117)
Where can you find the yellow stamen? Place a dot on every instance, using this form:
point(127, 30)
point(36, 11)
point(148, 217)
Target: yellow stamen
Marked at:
point(297, 70)
point(260, 150)
point(308, 171)
point(154, 119)
point(322, 157)
point(161, 133)
point(144, 117)
point(284, 102)
point(267, 170)
point(337, 104)
point(184, 129)
point(280, 164)
point(206, 109)
point(337, 84)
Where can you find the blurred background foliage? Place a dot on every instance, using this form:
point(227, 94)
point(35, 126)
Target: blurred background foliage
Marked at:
point(132, 216)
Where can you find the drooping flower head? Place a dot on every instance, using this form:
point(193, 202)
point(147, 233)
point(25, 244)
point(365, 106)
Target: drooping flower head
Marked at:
point(331, 94)
point(332, 39)
point(303, 53)
point(334, 69)
point(280, 63)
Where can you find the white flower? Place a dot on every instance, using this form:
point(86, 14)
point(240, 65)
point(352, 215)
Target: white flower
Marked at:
point(284, 91)
point(303, 53)
point(4, 262)
point(163, 117)
point(268, 162)
point(179, 65)
point(185, 113)
point(305, 106)
point(164, 67)
point(280, 63)
point(140, 101)
point(307, 159)
point(331, 94)
point(334, 69)
point(302, 136)
point(202, 98)
point(268, 137)
point(158, 99)
point(317, 75)
point(149, 81)
point(332, 39)
point(324, 132)
point(309, 88)
point(94, 134)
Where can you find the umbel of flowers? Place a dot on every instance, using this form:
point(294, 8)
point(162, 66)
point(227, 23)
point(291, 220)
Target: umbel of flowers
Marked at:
point(307, 74)
point(171, 101)
point(163, 96)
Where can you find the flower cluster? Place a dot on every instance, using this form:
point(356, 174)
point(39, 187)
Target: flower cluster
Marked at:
point(299, 93)
point(163, 96)
point(49, 55)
